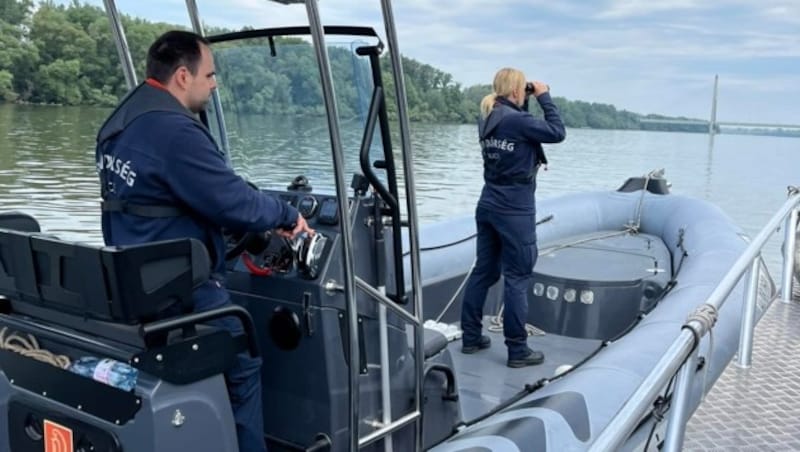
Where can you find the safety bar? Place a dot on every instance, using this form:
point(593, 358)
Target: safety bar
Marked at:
point(678, 354)
point(391, 173)
point(391, 428)
point(383, 299)
point(390, 198)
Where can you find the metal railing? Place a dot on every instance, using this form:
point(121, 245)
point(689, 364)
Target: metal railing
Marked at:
point(681, 357)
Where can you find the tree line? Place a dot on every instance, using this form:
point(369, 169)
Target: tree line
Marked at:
point(65, 54)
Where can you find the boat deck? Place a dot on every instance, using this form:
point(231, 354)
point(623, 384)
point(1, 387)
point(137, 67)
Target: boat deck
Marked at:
point(485, 382)
point(756, 409)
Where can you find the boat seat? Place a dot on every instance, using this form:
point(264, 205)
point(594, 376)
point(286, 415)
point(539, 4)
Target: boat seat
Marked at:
point(123, 295)
point(435, 342)
point(442, 412)
point(94, 289)
point(19, 221)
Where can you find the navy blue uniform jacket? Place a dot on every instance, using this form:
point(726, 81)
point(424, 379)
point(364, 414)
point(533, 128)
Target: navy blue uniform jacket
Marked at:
point(511, 142)
point(152, 151)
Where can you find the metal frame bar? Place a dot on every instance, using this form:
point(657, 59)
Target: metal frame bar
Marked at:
point(296, 31)
point(679, 413)
point(383, 299)
point(328, 94)
point(386, 381)
point(395, 426)
point(194, 17)
point(787, 278)
point(121, 42)
point(411, 202)
point(745, 354)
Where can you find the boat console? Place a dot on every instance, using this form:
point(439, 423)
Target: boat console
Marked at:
point(295, 293)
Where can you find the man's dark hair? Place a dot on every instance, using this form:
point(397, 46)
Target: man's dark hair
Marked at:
point(172, 50)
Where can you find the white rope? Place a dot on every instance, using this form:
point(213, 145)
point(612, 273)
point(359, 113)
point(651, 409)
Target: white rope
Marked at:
point(605, 235)
point(29, 346)
point(651, 175)
point(496, 325)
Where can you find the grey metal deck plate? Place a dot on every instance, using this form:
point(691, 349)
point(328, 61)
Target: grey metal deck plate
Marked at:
point(756, 409)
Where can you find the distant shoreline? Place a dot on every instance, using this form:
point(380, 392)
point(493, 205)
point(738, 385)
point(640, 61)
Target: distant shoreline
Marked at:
point(723, 131)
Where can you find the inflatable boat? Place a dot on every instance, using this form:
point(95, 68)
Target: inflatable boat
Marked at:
point(357, 326)
point(617, 276)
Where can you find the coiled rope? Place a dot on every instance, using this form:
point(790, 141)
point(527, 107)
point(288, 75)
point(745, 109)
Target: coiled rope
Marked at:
point(27, 345)
point(496, 325)
point(706, 315)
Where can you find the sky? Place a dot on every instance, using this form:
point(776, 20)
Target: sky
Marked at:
point(645, 56)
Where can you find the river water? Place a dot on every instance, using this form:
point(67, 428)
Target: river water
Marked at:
point(47, 166)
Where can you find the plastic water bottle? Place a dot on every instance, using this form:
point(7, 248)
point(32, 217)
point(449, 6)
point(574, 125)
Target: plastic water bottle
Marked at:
point(108, 371)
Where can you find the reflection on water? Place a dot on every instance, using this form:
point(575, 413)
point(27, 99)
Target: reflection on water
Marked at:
point(47, 168)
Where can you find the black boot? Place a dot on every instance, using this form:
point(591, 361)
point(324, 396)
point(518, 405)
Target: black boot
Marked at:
point(533, 358)
point(482, 344)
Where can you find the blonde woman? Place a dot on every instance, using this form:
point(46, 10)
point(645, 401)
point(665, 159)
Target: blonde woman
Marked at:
point(511, 142)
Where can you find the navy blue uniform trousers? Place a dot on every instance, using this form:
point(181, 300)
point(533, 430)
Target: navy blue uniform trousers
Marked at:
point(505, 243)
point(244, 378)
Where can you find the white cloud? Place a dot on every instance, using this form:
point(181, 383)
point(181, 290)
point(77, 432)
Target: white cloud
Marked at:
point(633, 8)
point(656, 56)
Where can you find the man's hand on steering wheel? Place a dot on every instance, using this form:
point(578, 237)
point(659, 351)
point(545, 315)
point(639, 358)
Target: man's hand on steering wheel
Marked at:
point(299, 227)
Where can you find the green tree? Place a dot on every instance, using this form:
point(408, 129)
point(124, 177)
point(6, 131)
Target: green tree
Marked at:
point(65, 54)
point(14, 12)
point(7, 86)
point(56, 82)
point(58, 38)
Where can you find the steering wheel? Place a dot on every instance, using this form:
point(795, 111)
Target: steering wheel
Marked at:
point(236, 244)
point(240, 246)
point(262, 253)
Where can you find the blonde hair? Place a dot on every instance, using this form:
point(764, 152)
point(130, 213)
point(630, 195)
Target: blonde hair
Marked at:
point(505, 82)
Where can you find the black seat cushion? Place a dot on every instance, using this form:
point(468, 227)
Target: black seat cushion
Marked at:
point(435, 342)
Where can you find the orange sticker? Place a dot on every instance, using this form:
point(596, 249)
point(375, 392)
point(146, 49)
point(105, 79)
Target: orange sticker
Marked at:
point(57, 438)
